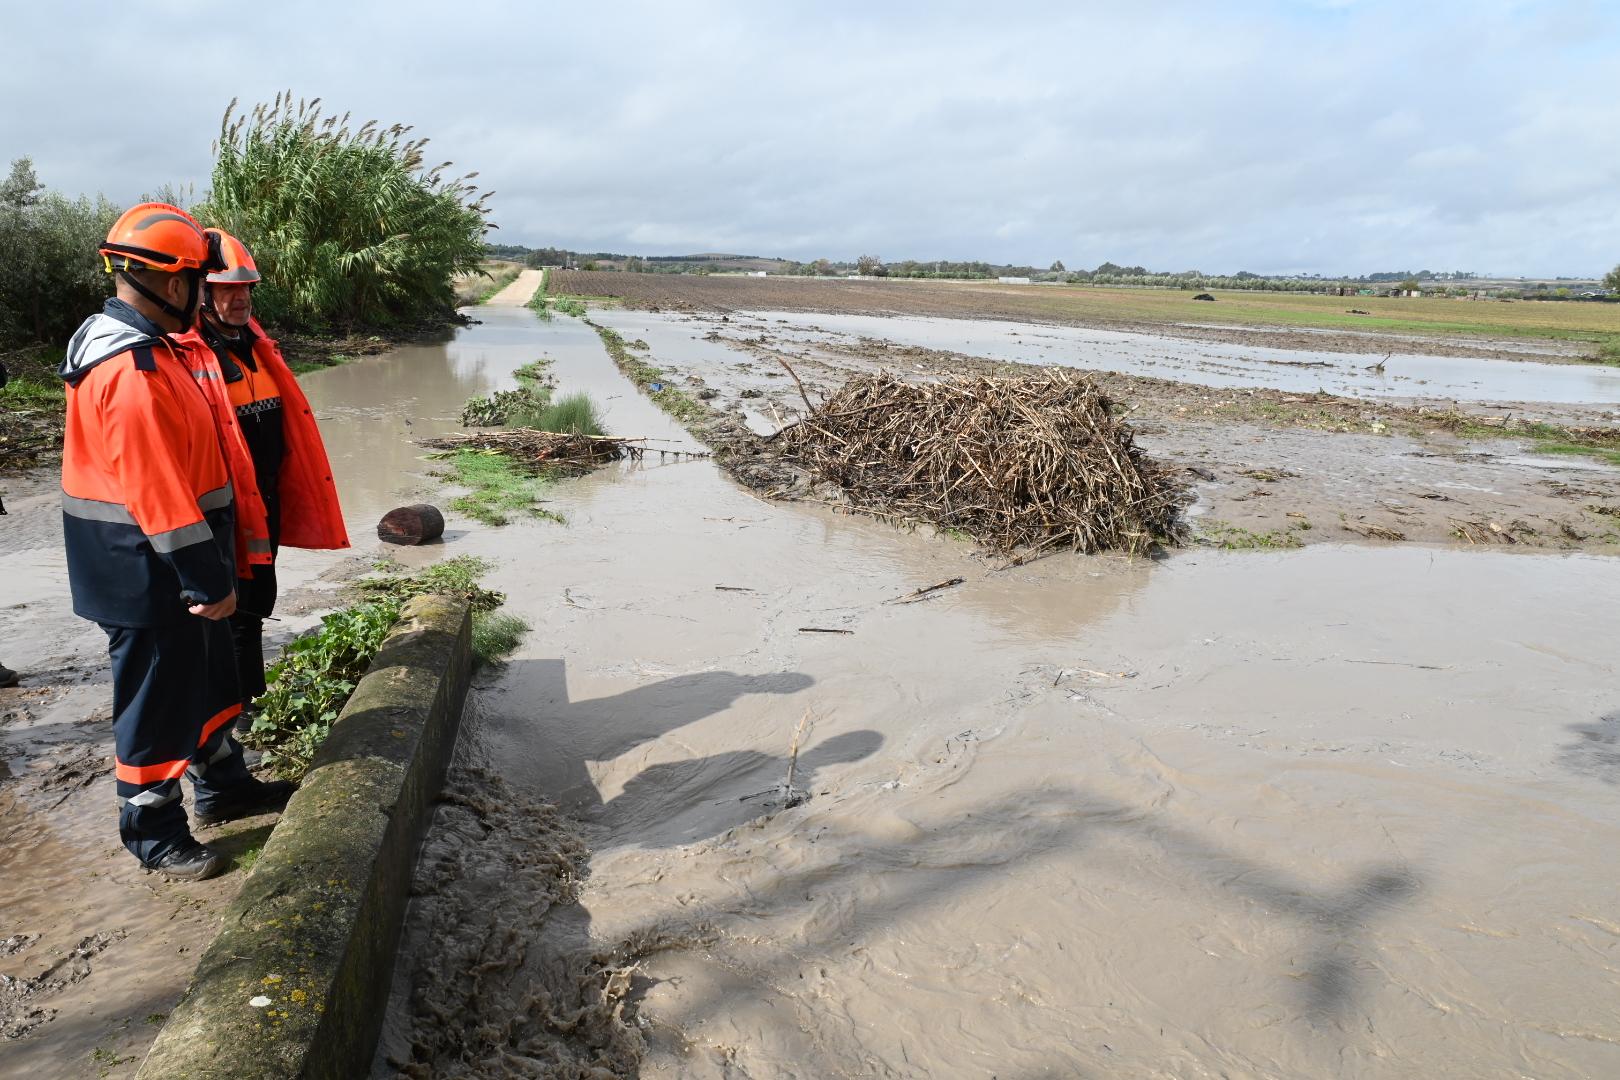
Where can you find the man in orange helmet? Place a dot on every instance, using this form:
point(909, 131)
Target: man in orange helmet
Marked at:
point(277, 462)
point(148, 526)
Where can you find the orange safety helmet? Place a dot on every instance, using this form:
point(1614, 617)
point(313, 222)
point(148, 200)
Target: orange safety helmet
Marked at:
point(239, 268)
point(157, 236)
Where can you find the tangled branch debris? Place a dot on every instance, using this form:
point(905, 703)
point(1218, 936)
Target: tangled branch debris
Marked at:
point(1028, 462)
point(544, 449)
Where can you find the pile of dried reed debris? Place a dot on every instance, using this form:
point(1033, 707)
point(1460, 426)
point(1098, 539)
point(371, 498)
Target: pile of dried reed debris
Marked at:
point(543, 449)
point(1027, 463)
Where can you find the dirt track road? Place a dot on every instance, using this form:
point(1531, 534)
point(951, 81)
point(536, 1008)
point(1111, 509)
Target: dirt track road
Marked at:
point(519, 292)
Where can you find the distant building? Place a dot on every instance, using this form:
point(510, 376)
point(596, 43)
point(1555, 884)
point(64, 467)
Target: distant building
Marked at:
point(1013, 280)
point(756, 273)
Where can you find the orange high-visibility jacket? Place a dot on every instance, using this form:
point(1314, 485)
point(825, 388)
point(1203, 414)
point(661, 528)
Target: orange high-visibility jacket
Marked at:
point(311, 516)
point(146, 498)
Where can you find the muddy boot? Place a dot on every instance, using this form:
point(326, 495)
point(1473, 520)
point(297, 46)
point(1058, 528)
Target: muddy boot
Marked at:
point(190, 861)
point(246, 800)
point(7, 677)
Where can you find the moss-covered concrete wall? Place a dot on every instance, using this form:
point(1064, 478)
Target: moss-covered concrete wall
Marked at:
point(295, 982)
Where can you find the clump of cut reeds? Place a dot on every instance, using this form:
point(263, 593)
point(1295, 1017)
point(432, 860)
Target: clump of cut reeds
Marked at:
point(1030, 462)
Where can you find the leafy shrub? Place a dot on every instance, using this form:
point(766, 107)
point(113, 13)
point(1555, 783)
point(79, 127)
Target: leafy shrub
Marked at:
point(348, 227)
point(311, 682)
point(50, 277)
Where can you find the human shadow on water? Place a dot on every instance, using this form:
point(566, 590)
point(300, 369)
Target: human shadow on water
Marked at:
point(552, 740)
point(681, 802)
point(940, 869)
point(1595, 752)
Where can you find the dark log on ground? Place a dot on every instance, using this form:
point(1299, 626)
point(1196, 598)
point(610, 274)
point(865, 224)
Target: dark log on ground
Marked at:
point(411, 525)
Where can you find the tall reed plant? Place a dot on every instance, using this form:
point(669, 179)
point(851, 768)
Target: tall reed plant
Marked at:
point(349, 227)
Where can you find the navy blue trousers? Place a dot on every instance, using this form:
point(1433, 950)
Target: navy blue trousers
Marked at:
point(175, 696)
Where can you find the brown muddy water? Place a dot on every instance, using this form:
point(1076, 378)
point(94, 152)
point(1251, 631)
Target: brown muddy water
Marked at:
point(1335, 812)
point(1343, 811)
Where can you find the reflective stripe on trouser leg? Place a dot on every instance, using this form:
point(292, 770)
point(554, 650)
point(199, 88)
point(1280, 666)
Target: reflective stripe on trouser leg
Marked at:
point(216, 762)
point(159, 695)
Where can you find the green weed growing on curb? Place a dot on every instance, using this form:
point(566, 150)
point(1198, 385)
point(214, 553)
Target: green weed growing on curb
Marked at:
point(496, 636)
point(311, 682)
point(317, 672)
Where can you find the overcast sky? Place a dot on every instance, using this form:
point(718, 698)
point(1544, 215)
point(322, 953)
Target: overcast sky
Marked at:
point(1334, 136)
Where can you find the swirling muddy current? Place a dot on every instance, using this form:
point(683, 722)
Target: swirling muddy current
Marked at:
point(749, 807)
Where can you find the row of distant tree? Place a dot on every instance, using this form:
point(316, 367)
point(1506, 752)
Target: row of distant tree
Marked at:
point(1448, 283)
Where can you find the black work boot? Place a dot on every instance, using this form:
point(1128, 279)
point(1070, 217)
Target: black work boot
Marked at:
point(246, 800)
point(190, 861)
point(8, 677)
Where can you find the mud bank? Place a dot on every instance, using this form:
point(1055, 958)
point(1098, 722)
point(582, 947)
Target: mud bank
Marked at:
point(1291, 814)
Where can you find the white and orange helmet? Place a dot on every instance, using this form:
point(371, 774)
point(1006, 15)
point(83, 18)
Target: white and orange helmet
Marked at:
point(239, 266)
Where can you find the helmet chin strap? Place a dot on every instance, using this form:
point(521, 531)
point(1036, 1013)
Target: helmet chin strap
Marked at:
point(186, 315)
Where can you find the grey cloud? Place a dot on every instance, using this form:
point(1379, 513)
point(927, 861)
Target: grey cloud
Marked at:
point(1272, 136)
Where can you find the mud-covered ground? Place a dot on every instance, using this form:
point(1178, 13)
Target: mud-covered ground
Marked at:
point(1269, 468)
point(94, 951)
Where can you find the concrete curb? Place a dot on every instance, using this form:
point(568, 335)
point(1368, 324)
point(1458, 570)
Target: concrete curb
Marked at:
point(317, 922)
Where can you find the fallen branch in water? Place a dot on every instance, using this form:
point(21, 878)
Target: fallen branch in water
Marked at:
point(926, 592)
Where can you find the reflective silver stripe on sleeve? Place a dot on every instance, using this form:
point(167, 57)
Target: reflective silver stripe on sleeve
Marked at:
point(96, 510)
point(185, 536)
point(217, 499)
point(258, 546)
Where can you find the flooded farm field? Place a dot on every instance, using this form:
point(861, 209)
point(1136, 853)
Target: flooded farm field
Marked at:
point(733, 810)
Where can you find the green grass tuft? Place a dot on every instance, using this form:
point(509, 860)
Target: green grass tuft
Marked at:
point(1601, 453)
point(574, 414)
point(496, 636)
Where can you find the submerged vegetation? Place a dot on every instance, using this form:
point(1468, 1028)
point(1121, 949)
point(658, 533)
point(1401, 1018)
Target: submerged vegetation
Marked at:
point(499, 488)
point(1229, 537)
point(348, 225)
point(318, 671)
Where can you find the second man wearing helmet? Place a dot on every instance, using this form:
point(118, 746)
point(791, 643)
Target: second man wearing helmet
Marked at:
point(277, 462)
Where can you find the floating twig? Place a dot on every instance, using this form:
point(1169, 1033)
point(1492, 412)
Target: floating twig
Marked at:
point(926, 592)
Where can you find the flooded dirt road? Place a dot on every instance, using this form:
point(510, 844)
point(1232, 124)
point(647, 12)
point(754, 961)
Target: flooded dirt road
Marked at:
point(1344, 811)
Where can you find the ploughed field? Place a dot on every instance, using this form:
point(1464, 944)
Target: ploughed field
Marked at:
point(1517, 329)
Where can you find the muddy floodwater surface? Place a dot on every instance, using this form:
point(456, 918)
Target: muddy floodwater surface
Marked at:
point(734, 810)
point(1345, 811)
